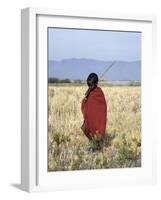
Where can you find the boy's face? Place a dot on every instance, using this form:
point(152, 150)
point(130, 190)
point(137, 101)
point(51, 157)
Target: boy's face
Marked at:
point(91, 86)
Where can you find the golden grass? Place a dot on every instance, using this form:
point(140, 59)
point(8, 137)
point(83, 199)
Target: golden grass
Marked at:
point(67, 146)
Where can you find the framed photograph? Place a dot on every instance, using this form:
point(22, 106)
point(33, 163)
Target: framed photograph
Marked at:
point(86, 107)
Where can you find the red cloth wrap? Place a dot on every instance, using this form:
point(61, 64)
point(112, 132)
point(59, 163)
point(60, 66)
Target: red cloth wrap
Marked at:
point(94, 110)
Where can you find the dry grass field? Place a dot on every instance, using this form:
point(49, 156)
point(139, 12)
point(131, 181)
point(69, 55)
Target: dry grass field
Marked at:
point(67, 146)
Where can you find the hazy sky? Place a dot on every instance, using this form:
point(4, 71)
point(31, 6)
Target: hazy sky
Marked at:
point(101, 45)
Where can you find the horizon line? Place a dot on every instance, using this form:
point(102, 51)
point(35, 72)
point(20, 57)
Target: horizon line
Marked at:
point(58, 60)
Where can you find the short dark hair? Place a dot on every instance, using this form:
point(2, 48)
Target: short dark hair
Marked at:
point(92, 79)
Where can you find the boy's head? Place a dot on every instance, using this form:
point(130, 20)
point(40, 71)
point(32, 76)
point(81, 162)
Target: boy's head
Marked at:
point(92, 80)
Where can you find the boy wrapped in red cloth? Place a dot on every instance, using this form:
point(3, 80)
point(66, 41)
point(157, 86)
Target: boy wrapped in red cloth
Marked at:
point(94, 110)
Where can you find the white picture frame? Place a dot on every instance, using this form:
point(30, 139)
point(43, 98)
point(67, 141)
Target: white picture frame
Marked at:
point(34, 176)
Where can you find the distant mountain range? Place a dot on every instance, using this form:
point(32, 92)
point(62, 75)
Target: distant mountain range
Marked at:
point(75, 69)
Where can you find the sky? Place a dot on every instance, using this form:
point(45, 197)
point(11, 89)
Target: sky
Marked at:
point(93, 44)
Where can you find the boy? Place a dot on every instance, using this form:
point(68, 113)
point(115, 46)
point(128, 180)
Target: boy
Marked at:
point(94, 110)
